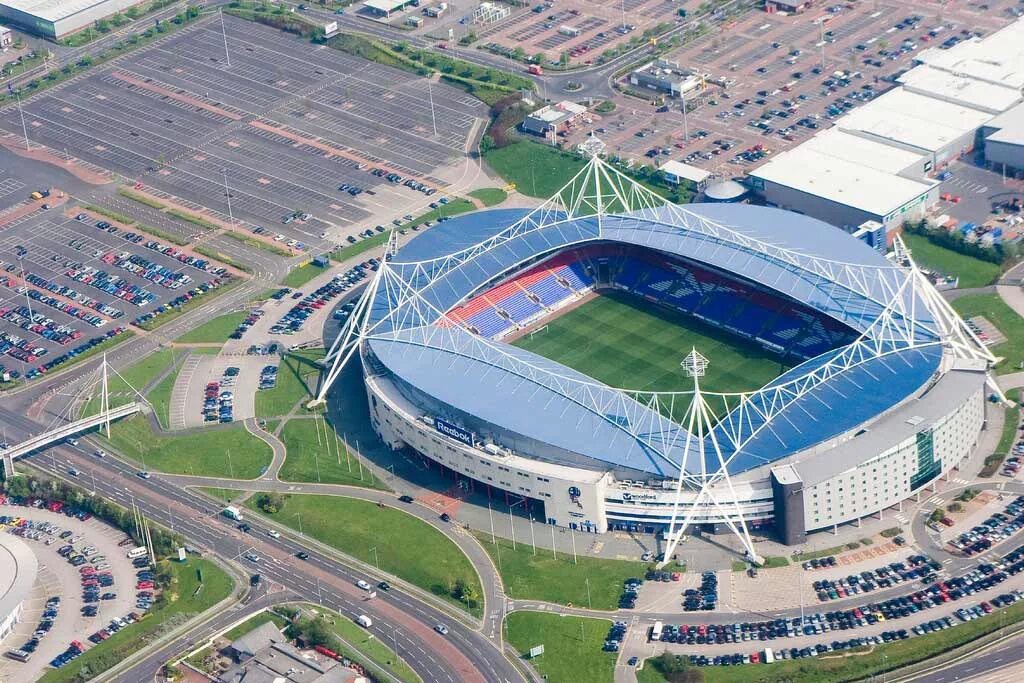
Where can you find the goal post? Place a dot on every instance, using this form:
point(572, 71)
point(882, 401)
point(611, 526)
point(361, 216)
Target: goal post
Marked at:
point(542, 328)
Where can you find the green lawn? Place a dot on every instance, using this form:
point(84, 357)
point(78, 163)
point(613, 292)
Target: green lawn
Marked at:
point(215, 330)
point(311, 457)
point(300, 275)
point(626, 342)
point(537, 170)
point(572, 646)
point(182, 605)
point(971, 271)
point(257, 243)
point(230, 452)
point(490, 196)
point(406, 546)
point(1005, 319)
point(544, 577)
point(296, 378)
point(864, 667)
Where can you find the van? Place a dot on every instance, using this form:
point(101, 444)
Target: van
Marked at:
point(364, 621)
point(134, 553)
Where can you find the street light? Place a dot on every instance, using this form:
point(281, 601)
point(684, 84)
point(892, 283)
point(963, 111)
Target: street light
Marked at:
point(299, 515)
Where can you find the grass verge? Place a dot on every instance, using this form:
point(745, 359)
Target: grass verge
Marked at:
point(415, 551)
point(215, 330)
point(557, 579)
point(256, 243)
point(300, 275)
point(213, 452)
point(141, 198)
point(194, 302)
point(572, 645)
point(351, 251)
point(1011, 418)
point(972, 272)
point(296, 379)
point(370, 651)
point(1006, 320)
point(316, 456)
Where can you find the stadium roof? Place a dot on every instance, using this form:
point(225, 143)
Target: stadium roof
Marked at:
point(983, 95)
point(903, 117)
point(512, 389)
point(893, 427)
point(18, 572)
point(808, 169)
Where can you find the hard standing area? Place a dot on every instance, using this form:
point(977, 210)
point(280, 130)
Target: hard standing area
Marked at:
point(274, 124)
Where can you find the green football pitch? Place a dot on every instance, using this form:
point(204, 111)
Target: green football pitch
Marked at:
point(629, 343)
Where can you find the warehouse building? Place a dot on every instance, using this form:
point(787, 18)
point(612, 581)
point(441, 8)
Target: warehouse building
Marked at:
point(958, 89)
point(848, 180)
point(666, 77)
point(997, 58)
point(58, 18)
point(918, 123)
point(1004, 141)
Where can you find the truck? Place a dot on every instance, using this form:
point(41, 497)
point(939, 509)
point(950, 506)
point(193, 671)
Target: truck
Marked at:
point(769, 656)
point(231, 512)
point(655, 634)
point(535, 70)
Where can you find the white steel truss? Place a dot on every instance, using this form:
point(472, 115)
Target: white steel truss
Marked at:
point(912, 315)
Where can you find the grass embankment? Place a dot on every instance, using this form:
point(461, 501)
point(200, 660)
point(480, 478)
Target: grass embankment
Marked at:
point(187, 597)
point(557, 579)
point(414, 550)
point(123, 384)
point(572, 645)
point(1006, 320)
point(211, 452)
point(296, 380)
point(972, 272)
point(316, 454)
point(368, 647)
point(214, 331)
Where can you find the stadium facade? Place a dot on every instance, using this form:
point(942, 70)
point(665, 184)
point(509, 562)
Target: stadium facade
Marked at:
point(887, 393)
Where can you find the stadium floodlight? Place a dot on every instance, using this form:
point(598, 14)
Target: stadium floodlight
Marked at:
point(694, 436)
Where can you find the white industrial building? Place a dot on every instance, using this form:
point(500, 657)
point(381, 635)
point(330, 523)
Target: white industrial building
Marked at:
point(873, 165)
point(1004, 141)
point(918, 123)
point(58, 18)
point(847, 180)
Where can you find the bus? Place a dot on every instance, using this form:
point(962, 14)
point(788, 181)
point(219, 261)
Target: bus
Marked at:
point(138, 552)
point(655, 632)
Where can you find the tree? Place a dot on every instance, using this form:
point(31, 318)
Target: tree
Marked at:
point(464, 592)
point(270, 503)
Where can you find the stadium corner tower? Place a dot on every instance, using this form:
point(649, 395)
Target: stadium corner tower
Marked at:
point(885, 392)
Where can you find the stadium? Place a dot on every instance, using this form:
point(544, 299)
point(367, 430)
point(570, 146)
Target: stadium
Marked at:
point(619, 362)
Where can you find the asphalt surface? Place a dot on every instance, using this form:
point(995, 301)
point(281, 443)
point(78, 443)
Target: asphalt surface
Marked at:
point(977, 667)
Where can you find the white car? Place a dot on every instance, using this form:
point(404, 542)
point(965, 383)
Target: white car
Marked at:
point(442, 629)
point(273, 534)
point(363, 585)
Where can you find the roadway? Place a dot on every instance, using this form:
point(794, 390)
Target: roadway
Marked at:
point(399, 618)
